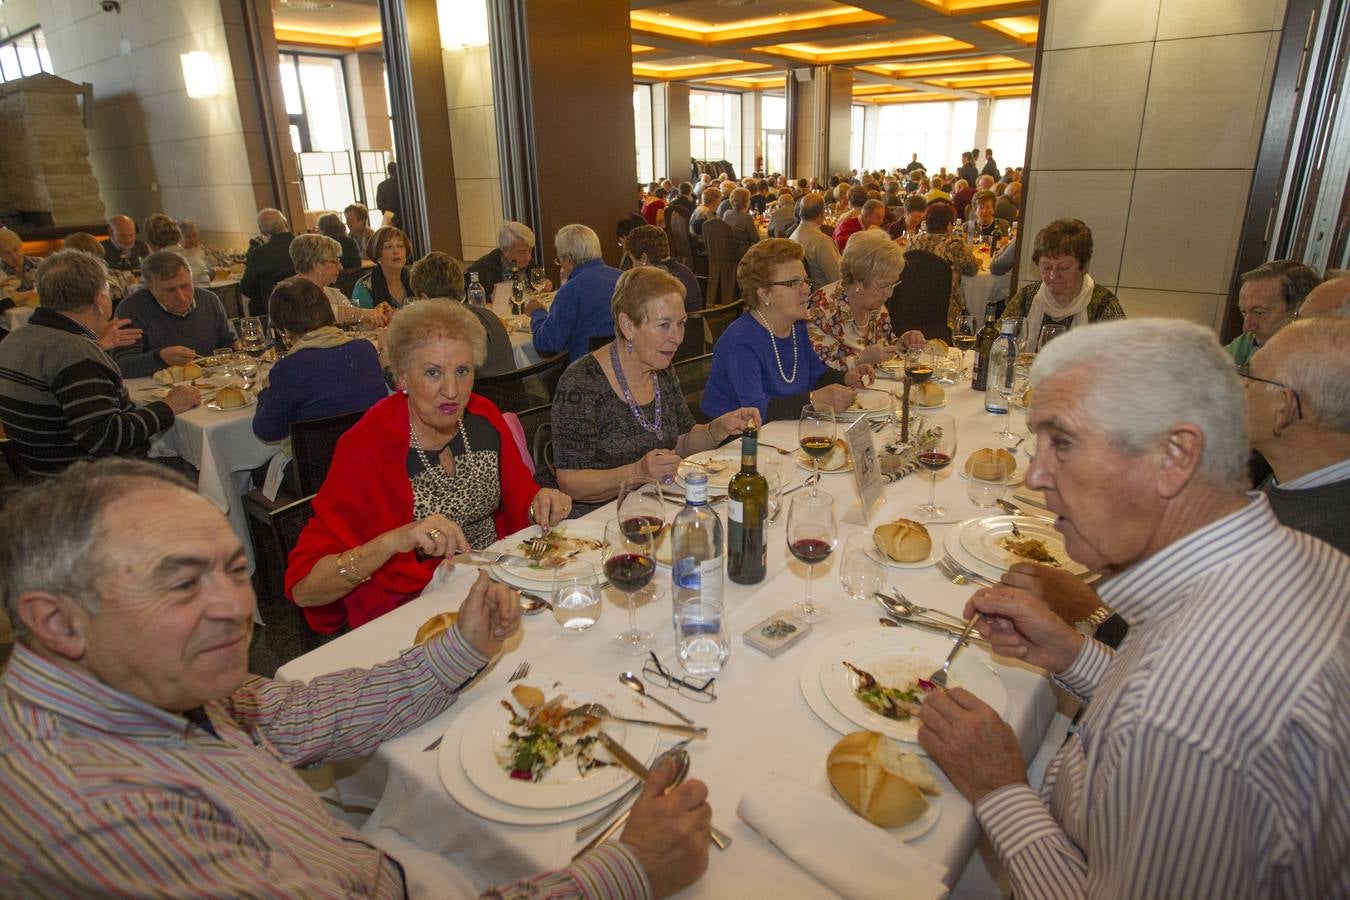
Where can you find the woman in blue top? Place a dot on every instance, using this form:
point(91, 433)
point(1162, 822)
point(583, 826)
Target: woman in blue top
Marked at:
point(386, 286)
point(764, 359)
point(326, 372)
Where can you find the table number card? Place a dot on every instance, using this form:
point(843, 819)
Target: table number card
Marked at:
point(867, 476)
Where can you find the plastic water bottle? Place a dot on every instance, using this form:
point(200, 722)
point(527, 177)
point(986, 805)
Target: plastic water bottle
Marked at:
point(476, 295)
point(696, 576)
point(1002, 362)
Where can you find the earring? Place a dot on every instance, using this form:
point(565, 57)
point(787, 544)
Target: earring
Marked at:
point(628, 345)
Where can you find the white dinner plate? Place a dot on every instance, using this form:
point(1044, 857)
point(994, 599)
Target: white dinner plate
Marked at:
point(723, 463)
point(911, 832)
point(987, 540)
point(214, 405)
point(934, 554)
point(870, 402)
point(538, 576)
point(951, 542)
point(1017, 476)
point(804, 462)
point(562, 786)
point(895, 656)
point(916, 408)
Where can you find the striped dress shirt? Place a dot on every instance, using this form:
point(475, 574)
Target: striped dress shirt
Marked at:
point(1213, 757)
point(104, 795)
point(1338, 471)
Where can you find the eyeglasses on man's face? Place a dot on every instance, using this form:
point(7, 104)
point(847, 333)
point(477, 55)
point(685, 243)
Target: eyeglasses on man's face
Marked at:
point(1245, 372)
point(655, 673)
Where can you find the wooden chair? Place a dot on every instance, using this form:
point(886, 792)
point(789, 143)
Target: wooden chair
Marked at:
point(922, 297)
point(346, 282)
point(704, 327)
point(721, 247)
point(524, 388)
point(313, 442)
point(693, 377)
point(677, 230)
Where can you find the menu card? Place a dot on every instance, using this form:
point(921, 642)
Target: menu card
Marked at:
point(867, 475)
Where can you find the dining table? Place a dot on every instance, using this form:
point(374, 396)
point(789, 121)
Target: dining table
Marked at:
point(978, 290)
point(761, 726)
point(517, 325)
point(220, 444)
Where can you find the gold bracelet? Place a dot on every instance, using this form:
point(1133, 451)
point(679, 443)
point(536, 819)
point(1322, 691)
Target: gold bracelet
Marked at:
point(347, 568)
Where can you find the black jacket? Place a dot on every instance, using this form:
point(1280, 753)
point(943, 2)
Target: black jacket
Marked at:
point(265, 265)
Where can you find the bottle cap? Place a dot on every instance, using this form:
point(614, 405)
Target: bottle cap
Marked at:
point(1007, 326)
point(696, 487)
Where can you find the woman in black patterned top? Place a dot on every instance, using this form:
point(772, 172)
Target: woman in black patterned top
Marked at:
point(619, 411)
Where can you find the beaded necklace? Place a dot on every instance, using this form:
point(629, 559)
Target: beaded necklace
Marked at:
point(433, 464)
point(773, 342)
point(655, 425)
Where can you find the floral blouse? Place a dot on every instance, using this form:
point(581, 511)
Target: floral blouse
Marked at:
point(834, 334)
point(954, 249)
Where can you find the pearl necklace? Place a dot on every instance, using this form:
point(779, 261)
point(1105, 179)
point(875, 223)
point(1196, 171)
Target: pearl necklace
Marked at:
point(433, 464)
point(654, 426)
point(773, 342)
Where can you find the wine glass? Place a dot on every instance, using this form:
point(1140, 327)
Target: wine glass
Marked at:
point(936, 445)
point(246, 367)
point(251, 336)
point(538, 279)
point(576, 597)
point(630, 562)
point(815, 432)
point(1049, 330)
point(640, 505)
point(811, 533)
point(986, 483)
point(937, 358)
point(860, 572)
point(963, 336)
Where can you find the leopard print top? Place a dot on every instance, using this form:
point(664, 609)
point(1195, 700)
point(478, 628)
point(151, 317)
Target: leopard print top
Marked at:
point(472, 495)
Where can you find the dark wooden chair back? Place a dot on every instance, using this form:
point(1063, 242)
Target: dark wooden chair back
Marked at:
point(704, 327)
point(525, 388)
point(346, 282)
point(312, 444)
point(693, 377)
point(721, 248)
point(677, 232)
point(921, 298)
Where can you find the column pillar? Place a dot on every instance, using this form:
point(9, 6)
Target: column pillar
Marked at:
point(820, 100)
point(676, 144)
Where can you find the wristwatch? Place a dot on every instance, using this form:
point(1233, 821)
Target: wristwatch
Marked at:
point(1090, 624)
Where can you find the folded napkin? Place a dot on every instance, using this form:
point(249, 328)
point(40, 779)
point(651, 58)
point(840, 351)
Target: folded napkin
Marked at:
point(841, 849)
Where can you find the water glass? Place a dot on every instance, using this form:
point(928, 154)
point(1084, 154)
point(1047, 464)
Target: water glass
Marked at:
point(774, 476)
point(701, 640)
point(860, 572)
point(576, 597)
point(1050, 330)
point(246, 367)
point(986, 484)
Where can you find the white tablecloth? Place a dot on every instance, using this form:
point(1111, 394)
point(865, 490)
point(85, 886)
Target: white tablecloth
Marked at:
point(17, 317)
point(522, 342)
point(978, 290)
point(761, 728)
point(222, 446)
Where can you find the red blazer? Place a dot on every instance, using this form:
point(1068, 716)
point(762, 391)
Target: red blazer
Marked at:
point(845, 230)
point(367, 492)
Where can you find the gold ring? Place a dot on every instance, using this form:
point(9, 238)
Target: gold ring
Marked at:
point(434, 534)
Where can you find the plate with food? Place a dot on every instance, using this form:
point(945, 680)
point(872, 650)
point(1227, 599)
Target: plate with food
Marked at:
point(530, 748)
point(903, 544)
point(228, 399)
point(719, 465)
point(877, 679)
point(573, 545)
point(994, 459)
point(886, 784)
point(212, 362)
point(992, 541)
point(836, 461)
point(871, 402)
point(927, 397)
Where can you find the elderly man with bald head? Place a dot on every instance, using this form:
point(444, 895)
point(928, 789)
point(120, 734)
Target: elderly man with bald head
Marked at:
point(1330, 298)
point(123, 250)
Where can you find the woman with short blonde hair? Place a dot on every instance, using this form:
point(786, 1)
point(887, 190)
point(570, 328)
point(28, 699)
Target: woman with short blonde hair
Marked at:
point(429, 472)
point(848, 322)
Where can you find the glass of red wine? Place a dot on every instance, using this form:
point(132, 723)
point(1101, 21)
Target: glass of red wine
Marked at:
point(811, 535)
point(641, 504)
point(815, 433)
point(629, 555)
point(935, 447)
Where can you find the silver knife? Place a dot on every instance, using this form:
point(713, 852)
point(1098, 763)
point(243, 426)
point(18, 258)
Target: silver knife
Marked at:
point(630, 762)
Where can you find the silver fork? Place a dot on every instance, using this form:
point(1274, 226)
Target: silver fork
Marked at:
point(940, 676)
point(537, 547)
point(518, 673)
point(959, 575)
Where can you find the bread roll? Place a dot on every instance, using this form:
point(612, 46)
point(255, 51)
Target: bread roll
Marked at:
point(231, 398)
point(837, 458)
point(437, 624)
point(903, 540)
point(992, 459)
point(192, 371)
point(927, 394)
point(877, 781)
point(935, 345)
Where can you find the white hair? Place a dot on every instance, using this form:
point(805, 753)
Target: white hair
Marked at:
point(271, 221)
point(1312, 359)
point(578, 242)
point(1145, 376)
point(512, 233)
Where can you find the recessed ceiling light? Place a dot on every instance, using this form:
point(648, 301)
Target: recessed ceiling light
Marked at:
point(736, 2)
point(307, 5)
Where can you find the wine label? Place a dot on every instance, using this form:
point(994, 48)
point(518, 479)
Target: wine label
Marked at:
point(735, 510)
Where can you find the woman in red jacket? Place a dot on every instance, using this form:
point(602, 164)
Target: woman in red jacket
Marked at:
point(430, 471)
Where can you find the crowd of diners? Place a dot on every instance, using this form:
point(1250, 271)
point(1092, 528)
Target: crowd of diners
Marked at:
point(1210, 483)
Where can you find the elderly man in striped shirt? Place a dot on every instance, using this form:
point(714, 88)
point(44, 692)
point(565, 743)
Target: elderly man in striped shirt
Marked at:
point(137, 757)
point(1213, 755)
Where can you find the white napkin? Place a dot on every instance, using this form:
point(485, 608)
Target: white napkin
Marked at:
point(843, 850)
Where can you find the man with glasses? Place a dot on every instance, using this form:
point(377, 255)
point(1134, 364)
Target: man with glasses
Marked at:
point(1268, 300)
point(1298, 417)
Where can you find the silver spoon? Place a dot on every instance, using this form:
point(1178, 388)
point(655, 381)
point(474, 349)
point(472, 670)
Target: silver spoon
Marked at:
point(681, 772)
point(599, 710)
point(681, 757)
point(530, 604)
point(897, 604)
point(636, 684)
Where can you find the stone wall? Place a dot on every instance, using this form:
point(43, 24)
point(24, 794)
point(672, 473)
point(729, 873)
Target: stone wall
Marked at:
point(45, 166)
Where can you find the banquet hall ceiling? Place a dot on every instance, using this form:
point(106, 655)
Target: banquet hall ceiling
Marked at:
point(899, 50)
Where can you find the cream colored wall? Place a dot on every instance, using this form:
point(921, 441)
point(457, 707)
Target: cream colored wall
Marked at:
point(473, 141)
point(1148, 122)
point(152, 148)
point(19, 15)
point(369, 108)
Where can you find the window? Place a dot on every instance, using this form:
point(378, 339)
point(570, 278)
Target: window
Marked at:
point(1008, 130)
point(855, 149)
point(714, 126)
point(773, 116)
point(316, 102)
point(938, 132)
point(23, 55)
point(642, 131)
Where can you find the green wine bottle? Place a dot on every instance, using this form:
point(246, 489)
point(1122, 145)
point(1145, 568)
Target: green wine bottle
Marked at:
point(747, 516)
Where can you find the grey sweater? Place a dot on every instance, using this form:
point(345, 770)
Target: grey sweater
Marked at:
point(204, 329)
point(1323, 512)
